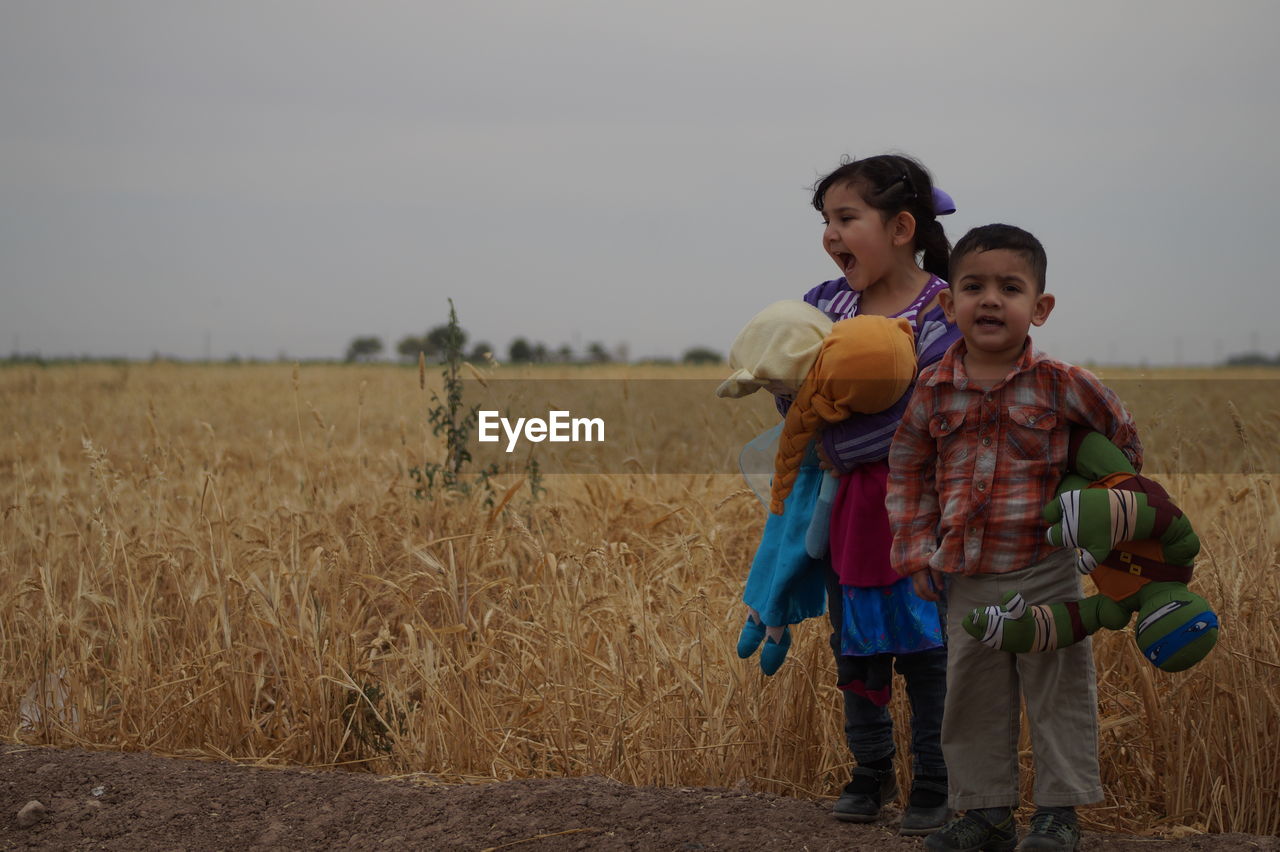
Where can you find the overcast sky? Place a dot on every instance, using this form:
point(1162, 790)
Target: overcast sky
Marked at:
point(278, 177)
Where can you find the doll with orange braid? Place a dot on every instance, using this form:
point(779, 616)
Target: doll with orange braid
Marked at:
point(860, 365)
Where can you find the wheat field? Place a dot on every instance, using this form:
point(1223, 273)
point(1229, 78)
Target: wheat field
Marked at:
point(235, 562)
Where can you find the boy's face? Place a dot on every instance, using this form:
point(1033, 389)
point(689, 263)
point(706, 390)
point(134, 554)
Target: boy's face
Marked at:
point(994, 300)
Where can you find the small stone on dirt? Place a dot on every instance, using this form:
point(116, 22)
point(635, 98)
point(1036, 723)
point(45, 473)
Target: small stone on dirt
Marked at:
point(32, 812)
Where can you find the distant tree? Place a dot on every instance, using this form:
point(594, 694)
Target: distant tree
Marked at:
point(364, 349)
point(1251, 359)
point(541, 354)
point(564, 354)
point(702, 355)
point(520, 352)
point(409, 347)
point(480, 353)
point(438, 341)
point(597, 354)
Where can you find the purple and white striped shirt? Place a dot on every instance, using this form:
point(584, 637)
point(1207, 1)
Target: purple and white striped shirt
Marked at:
point(866, 437)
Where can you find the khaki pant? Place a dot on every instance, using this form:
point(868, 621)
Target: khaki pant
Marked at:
point(981, 722)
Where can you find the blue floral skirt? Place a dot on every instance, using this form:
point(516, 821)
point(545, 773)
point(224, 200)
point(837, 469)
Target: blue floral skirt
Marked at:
point(888, 620)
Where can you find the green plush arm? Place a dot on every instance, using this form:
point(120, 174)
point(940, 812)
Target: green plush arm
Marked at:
point(1095, 520)
point(1180, 542)
point(1014, 626)
point(1094, 457)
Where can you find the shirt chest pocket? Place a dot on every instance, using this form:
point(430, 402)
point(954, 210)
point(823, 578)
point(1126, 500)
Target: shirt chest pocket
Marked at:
point(1029, 432)
point(947, 429)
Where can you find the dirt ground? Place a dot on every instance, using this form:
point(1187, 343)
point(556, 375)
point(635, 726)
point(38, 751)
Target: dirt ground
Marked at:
point(97, 800)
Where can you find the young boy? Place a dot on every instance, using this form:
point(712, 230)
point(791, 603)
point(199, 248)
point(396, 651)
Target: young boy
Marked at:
point(981, 449)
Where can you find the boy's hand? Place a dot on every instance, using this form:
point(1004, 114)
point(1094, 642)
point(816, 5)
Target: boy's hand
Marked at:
point(928, 584)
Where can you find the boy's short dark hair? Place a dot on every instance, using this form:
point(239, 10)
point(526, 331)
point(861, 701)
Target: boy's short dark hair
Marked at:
point(1009, 237)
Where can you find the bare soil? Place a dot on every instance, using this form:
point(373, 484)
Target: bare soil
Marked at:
point(100, 800)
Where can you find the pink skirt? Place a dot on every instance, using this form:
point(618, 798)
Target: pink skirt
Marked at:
point(860, 534)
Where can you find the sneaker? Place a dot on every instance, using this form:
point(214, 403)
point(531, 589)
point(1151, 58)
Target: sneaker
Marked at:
point(1052, 830)
point(862, 797)
point(972, 832)
point(927, 809)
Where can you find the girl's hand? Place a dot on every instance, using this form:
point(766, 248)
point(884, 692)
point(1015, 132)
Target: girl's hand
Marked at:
point(928, 584)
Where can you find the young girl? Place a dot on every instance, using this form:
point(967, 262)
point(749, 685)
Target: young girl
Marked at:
point(881, 213)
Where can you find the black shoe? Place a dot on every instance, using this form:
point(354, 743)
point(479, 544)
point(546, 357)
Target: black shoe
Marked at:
point(972, 832)
point(927, 809)
point(862, 797)
point(1051, 830)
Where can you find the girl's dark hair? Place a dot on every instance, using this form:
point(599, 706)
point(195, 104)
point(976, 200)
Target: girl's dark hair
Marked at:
point(892, 183)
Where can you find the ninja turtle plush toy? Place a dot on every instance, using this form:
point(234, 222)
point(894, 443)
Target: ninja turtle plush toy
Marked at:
point(1139, 548)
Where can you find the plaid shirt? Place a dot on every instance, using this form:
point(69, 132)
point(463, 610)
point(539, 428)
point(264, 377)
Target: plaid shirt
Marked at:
point(971, 468)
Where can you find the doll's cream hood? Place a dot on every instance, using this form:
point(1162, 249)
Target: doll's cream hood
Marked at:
point(779, 344)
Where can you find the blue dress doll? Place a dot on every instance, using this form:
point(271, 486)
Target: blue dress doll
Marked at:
point(831, 371)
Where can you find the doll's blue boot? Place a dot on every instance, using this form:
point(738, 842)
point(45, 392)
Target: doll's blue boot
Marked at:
point(750, 638)
point(774, 653)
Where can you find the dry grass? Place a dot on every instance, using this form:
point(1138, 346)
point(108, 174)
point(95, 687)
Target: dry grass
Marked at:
point(230, 561)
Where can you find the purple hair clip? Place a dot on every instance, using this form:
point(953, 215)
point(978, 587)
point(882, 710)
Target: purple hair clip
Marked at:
point(942, 203)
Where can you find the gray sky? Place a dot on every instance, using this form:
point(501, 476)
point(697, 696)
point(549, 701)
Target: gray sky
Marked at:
point(283, 176)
